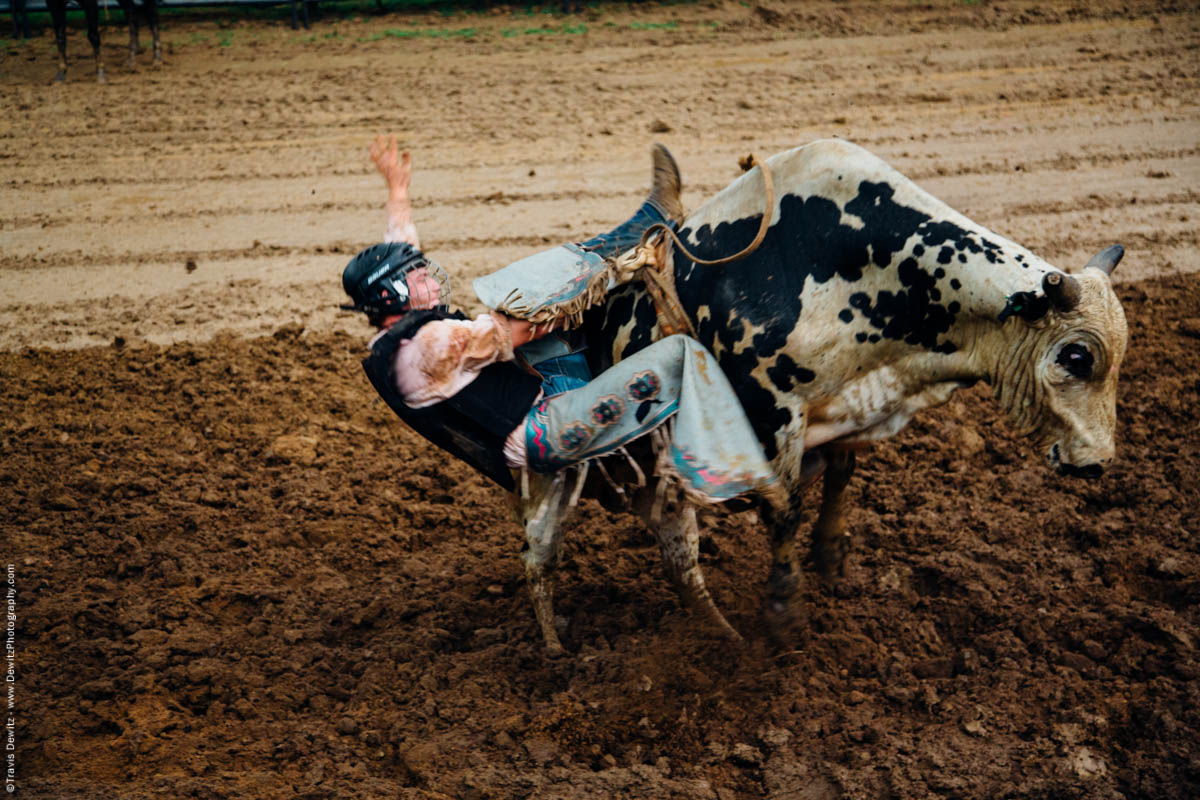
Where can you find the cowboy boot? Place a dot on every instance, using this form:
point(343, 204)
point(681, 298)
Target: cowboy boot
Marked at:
point(663, 205)
point(666, 185)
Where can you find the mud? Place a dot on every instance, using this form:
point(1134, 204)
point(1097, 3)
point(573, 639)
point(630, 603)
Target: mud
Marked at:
point(238, 577)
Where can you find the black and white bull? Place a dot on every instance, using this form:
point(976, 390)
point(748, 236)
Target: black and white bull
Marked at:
point(868, 301)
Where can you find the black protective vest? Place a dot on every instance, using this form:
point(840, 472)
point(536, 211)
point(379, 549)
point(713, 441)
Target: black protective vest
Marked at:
point(473, 424)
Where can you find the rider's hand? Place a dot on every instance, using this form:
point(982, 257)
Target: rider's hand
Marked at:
point(394, 166)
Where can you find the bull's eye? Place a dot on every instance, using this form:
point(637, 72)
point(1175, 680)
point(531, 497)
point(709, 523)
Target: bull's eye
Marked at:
point(1077, 360)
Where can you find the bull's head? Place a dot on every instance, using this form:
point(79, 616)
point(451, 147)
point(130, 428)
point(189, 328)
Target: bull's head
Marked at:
point(1061, 383)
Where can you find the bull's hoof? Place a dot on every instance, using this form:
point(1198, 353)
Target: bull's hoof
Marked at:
point(829, 570)
point(556, 650)
point(731, 635)
point(828, 559)
point(60, 76)
point(784, 584)
point(784, 621)
point(101, 77)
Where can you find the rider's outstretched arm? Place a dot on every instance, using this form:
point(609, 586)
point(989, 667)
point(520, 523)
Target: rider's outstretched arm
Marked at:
point(396, 169)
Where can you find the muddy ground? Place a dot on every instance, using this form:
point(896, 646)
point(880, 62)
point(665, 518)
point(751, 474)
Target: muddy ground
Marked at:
point(237, 577)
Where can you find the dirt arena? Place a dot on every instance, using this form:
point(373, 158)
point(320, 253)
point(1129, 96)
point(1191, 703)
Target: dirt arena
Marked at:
point(238, 577)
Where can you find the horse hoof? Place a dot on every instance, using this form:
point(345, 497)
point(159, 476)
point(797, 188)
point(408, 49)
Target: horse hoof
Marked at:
point(100, 78)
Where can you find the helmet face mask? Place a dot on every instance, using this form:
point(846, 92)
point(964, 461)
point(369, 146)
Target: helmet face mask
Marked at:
point(389, 279)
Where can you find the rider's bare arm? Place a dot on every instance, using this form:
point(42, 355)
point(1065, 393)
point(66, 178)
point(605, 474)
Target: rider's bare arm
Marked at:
point(396, 169)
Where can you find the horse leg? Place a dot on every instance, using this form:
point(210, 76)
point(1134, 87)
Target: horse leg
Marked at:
point(542, 514)
point(58, 14)
point(679, 539)
point(20, 15)
point(830, 540)
point(152, 21)
point(92, 12)
point(132, 19)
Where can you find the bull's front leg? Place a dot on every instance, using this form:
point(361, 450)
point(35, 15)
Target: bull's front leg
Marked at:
point(542, 514)
point(830, 539)
point(679, 539)
point(785, 579)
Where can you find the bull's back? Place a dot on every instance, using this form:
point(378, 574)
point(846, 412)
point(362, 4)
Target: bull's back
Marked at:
point(778, 321)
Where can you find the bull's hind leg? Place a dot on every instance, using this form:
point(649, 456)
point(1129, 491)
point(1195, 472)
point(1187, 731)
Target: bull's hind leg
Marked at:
point(830, 539)
point(679, 539)
point(542, 514)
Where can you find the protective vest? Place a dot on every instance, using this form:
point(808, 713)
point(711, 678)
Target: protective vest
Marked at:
point(473, 424)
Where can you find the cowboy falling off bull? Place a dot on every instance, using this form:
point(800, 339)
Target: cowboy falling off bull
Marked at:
point(904, 301)
point(511, 390)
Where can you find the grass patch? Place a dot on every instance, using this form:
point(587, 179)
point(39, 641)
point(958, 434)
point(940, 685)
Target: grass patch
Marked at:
point(654, 26)
point(544, 31)
point(409, 33)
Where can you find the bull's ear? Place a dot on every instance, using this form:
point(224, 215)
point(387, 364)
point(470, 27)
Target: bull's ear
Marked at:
point(1107, 259)
point(1062, 290)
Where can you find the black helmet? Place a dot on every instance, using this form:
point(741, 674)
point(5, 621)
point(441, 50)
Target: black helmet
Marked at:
point(374, 279)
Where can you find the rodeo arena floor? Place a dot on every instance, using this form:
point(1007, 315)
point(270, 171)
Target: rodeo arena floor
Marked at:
point(231, 573)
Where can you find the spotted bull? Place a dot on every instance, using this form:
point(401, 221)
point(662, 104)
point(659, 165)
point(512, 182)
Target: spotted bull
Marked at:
point(868, 301)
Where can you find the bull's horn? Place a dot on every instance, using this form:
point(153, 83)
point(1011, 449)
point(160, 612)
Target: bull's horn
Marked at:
point(1107, 259)
point(1062, 289)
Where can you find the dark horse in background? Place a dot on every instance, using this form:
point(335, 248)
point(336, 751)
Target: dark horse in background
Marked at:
point(134, 13)
point(20, 19)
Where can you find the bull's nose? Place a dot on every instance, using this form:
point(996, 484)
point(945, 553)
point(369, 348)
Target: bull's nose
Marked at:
point(1088, 471)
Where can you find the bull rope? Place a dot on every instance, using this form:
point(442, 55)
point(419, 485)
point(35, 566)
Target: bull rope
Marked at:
point(659, 278)
point(768, 190)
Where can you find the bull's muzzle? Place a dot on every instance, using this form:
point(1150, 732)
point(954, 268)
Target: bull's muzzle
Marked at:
point(1088, 471)
point(1094, 470)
